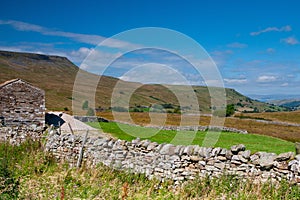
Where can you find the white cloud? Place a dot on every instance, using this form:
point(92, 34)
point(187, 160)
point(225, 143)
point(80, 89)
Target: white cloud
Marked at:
point(235, 81)
point(84, 38)
point(290, 40)
point(222, 53)
point(271, 50)
point(284, 84)
point(266, 79)
point(154, 73)
point(237, 45)
point(272, 29)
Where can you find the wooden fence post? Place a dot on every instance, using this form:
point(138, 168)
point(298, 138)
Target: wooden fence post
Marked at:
point(81, 150)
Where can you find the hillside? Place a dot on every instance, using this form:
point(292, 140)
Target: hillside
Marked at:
point(56, 76)
point(293, 104)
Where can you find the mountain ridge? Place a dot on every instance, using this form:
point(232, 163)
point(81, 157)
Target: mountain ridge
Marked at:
point(56, 75)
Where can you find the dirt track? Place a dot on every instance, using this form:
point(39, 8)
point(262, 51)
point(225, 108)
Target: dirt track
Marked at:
point(77, 126)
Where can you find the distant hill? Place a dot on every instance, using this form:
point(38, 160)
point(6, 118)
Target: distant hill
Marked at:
point(270, 98)
point(293, 104)
point(56, 76)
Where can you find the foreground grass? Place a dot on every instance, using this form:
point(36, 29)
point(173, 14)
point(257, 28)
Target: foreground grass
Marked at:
point(226, 140)
point(26, 172)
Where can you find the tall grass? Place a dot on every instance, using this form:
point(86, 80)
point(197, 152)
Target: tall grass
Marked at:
point(33, 174)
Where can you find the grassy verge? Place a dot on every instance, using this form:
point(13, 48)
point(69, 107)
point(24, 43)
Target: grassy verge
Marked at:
point(226, 140)
point(32, 174)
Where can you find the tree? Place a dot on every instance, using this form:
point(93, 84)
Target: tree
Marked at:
point(85, 105)
point(229, 110)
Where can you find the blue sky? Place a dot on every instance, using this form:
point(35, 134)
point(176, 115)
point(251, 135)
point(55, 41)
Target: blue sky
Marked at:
point(255, 44)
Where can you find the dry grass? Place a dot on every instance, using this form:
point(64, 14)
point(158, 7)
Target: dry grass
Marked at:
point(291, 117)
point(37, 180)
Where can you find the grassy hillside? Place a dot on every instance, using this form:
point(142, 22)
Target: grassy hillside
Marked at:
point(56, 76)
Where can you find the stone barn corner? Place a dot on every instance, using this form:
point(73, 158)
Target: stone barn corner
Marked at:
point(21, 104)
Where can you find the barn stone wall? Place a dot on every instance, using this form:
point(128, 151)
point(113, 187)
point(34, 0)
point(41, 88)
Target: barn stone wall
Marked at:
point(21, 104)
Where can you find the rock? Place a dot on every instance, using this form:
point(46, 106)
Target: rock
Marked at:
point(285, 156)
point(239, 158)
point(207, 152)
point(228, 155)
point(210, 168)
point(215, 151)
point(151, 146)
point(246, 154)
point(189, 150)
point(297, 157)
point(185, 157)
point(266, 162)
point(203, 163)
point(254, 158)
point(202, 151)
point(99, 142)
point(221, 158)
point(236, 162)
point(292, 162)
point(235, 157)
point(168, 149)
point(145, 143)
point(211, 162)
point(295, 168)
point(195, 158)
point(281, 165)
point(223, 152)
point(237, 148)
point(196, 150)
point(136, 141)
point(220, 165)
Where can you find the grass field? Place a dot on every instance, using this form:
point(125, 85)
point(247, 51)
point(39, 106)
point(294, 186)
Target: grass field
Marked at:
point(289, 133)
point(27, 172)
point(253, 142)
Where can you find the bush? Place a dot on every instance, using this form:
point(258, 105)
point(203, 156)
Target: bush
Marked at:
point(9, 185)
point(229, 110)
point(90, 112)
point(119, 109)
point(85, 105)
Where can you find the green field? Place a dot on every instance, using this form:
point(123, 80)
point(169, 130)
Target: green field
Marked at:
point(252, 142)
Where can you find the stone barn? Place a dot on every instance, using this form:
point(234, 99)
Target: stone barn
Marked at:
point(21, 104)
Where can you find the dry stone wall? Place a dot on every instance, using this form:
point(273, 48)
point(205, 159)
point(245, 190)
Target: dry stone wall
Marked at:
point(17, 135)
point(178, 163)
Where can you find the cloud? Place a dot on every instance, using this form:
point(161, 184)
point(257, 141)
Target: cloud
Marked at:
point(235, 81)
point(237, 45)
point(272, 29)
point(270, 50)
point(222, 53)
point(266, 79)
point(154, 73)
point(84, 38)
point(284, 84)
point(290, 40)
